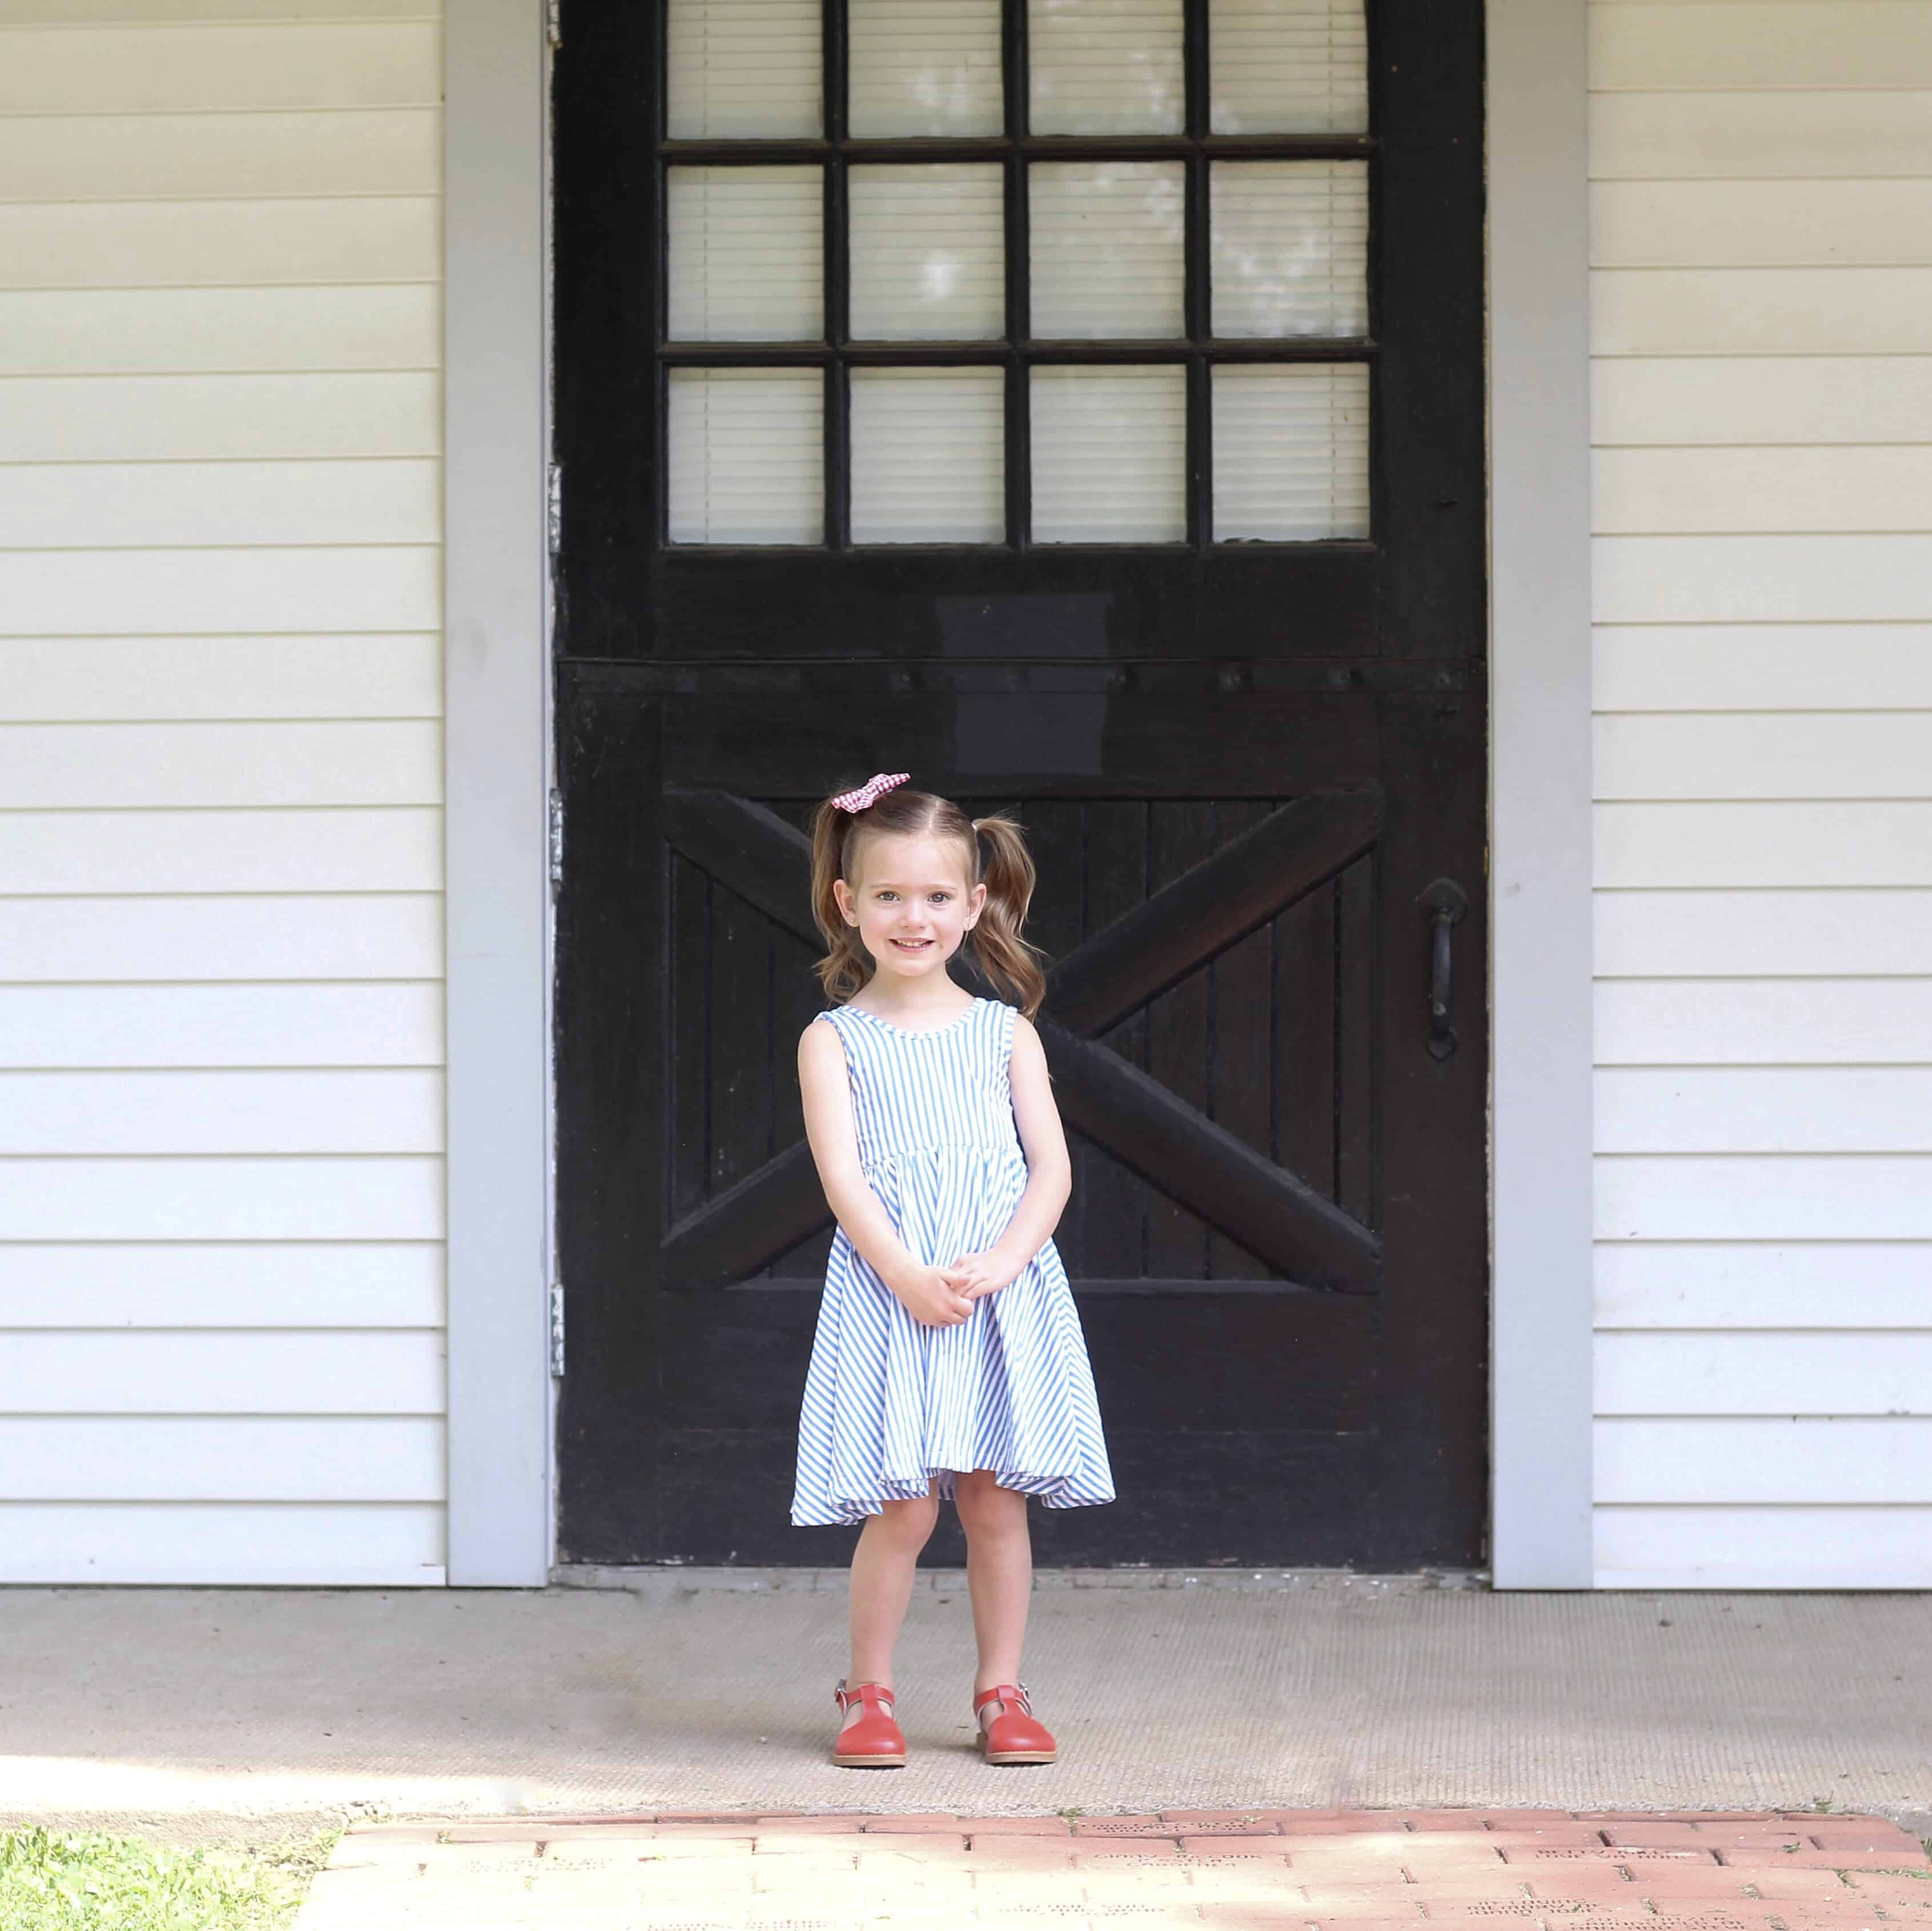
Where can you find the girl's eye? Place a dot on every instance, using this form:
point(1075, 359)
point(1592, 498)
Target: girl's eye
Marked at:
point(940, 898)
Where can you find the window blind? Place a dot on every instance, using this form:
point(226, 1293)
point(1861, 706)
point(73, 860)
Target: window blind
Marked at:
point(747, 456)
point(1289, 242)
point(1106, 67)
point(928, 252)
point(1291, 452)
point(1292, 66)
point(1109, 449)
point(928, 456)
point(746, 254)
point(1107, 247)
point(738, 68)
point(923, 67)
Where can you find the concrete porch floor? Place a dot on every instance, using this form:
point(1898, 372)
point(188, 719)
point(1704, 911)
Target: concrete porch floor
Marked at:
point(203, 1713)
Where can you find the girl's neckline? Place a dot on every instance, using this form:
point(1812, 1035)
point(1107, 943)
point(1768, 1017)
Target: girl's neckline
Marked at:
point(918, 1032)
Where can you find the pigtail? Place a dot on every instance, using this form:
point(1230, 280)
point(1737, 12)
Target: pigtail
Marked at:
point(1008, 959)
point(845, 968)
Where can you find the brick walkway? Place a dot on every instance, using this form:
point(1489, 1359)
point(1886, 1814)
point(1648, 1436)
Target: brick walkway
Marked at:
point(1287, 1871)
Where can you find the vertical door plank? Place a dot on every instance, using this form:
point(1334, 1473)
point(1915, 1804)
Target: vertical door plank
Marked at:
point(1304, 1053)
point(1179, 1025)
point(1354, 1038)
point(688, 1036)
point(1112, 1202)
point(1240, 1070)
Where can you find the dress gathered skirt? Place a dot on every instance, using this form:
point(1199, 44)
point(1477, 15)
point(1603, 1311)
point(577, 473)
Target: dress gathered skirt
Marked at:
point(893, 1406)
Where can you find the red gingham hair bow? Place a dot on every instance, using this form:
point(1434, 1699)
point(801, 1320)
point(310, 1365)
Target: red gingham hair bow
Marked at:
point(871, 791)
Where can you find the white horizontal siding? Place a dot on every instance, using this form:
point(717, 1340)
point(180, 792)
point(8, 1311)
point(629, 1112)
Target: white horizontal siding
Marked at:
point(260, 1284)
point(190, 1198)
point(1811, 492)
point(1765, 1197)
point(346, 849)
point(378, 1546)
point(1761, 223)
point(300, 1023)
point(1784, 311)
point(1768, 1285)
point(1759, 1459)
point(193, 505)
point(68, 679)
point(1679, 402)
point(1838, 933)
point(223, 1458)
point(185, 67)
point(337, 1110)
point(1767, 1021)
point(1763, 1109)
point(57, 767)
point(1763, 667)
point(208, 243)
point(1802, 45)
point(1772, 842)
point(1708, 1546)
point(100, 592)
point(221, 1101)
point(292, 1371)
point(200, 416)
point(395, 935)
point(1753, 755)
point(1707, 135)
point(134, 157)
point(1761, 411)
point(193, 331)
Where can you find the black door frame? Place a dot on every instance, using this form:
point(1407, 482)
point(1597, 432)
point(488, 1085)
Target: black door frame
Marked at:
point(1412, 639)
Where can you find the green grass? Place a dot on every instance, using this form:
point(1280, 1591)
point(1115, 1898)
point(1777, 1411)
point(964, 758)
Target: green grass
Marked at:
point(60, 1880)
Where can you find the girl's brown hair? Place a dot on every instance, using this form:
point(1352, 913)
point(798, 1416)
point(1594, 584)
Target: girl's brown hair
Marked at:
point(996, 856)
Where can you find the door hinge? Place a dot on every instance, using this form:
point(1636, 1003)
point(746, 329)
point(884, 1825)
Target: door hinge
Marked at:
point(556, 1330)
point(553, 21)
point(555, 843)
point(553, 510)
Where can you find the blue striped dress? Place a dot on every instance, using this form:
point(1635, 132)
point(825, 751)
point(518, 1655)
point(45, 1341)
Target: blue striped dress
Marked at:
point(890, 1404)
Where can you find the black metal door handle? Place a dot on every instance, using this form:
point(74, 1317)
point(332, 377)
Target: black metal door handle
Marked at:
point(1446, 903)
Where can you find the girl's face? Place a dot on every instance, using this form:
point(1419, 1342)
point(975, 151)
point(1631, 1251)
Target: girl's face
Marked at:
point(911, 903)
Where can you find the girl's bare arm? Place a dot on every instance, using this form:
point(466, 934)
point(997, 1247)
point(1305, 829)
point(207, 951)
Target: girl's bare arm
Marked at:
point(834, 1141)
point(1049, 1175)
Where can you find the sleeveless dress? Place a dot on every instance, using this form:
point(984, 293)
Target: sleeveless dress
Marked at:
point(891, 1403)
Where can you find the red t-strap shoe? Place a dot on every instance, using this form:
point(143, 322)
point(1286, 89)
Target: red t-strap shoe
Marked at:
point(1014, 1735)
point(874, 1742)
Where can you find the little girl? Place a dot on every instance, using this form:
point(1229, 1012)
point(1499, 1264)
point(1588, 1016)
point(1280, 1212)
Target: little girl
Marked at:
point(948, 1361)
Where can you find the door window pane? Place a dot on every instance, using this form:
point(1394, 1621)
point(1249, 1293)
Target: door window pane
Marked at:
point(928, 254)
point(746, 254)
point(1290, 453)
point(1108, 248)
point(924, 66)
point(739, 67)
point(747, 456)
point(1109, 449)
point(1106, 67)
point(1290, 243)
point(1288, 67)
point(928, 456)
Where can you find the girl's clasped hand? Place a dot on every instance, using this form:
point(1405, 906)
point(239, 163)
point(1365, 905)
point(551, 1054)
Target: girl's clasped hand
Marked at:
point(943, 1296)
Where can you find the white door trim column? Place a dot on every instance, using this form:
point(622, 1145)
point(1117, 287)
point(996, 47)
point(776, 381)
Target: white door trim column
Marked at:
point(1540, 877)
point(495, 617)
point(1539, 792)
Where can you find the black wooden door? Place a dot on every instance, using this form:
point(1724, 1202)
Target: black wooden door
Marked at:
point(1252, 770)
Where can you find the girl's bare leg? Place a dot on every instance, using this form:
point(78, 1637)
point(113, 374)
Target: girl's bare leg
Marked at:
point(999, 1572)
point(882, 1577)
